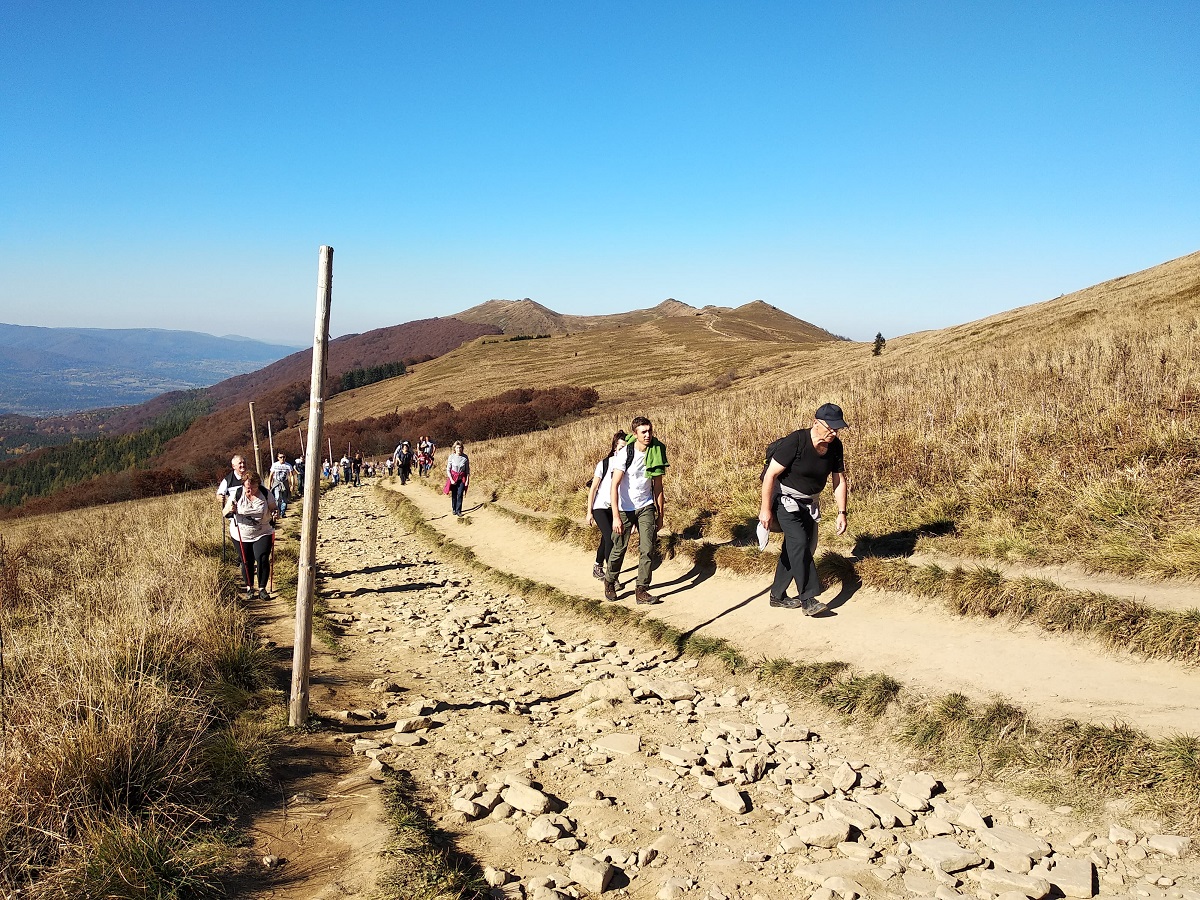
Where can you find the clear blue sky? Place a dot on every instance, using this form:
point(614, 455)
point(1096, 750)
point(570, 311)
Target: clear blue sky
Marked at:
point(883, 166)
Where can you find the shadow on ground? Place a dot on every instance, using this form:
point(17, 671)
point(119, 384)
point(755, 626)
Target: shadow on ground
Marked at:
point(898, 544)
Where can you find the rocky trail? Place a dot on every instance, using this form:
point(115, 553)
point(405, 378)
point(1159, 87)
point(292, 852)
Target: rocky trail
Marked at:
point(916, 641)
point(568, 760)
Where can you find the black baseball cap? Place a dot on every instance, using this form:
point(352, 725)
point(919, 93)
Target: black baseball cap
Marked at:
point(831, 415)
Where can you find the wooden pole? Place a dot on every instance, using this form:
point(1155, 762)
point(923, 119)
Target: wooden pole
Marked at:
point(271, 440)
point(332, 461)
point(306, 579)
point(301, 430)
point(254, 437)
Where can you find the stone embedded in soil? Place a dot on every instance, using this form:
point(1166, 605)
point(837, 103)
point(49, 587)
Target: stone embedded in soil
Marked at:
point(527, 799)
point(972, 818)
point(591, 874)
point(844, 778)
point(820, 872)
point(849, 811)
point(677, 756)
point(1074, 877)
point(731, 798)
point(1007, 839)
point(1118, 834)
point(827, 833)
point(622, 743)
point(1170, 844)
point(997, 881)
point(889, 812)
point(944, 854)
point(413, 723)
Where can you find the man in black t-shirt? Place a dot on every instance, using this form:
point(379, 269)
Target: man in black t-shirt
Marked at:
point(801, 465)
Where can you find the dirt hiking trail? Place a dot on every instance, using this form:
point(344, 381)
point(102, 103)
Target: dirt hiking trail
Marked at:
point(557, 759)
point(1053, 676)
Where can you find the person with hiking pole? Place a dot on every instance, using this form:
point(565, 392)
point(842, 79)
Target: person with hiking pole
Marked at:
point(599, 505)
point(231, 482)
point(251, 528)
point(797, 470)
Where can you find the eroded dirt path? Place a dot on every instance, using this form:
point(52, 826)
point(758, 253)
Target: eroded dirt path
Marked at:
point(913, 640)
point(667, 779)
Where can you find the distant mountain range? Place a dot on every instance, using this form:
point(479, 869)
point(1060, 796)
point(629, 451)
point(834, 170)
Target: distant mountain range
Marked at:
point(529, 317)
point(51, 371)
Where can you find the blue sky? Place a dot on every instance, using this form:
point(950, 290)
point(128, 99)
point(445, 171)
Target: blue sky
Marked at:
point(883, 166)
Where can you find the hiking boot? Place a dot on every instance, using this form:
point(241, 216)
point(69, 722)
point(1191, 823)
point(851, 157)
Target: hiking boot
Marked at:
point(642, 595)
point(598, 571)
point(811, 607)
point(263, 594)
point(610, 590)
point(785, 602)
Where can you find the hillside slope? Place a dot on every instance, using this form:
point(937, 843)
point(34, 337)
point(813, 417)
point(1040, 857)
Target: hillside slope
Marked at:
point(1065, 431)
point(648, 353)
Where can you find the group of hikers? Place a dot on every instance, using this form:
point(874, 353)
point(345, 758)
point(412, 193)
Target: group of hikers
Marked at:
point(626, 494)
point(406, 457)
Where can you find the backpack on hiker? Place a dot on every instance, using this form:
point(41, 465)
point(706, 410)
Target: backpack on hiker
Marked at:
point(770, 454)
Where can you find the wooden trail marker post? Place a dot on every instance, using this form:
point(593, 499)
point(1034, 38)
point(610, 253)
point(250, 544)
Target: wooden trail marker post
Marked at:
point(306, 580)
point(271, 440)
point(254, 438)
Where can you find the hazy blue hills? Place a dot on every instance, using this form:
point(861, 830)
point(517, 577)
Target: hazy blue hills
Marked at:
point(49, 371)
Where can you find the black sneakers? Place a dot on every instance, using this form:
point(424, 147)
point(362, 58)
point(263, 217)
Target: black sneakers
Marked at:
point(809, 607)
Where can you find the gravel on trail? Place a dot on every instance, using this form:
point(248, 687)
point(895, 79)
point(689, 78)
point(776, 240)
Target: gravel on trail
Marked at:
point(571, 759)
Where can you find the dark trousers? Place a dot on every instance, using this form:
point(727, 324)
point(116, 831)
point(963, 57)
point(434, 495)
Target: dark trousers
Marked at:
point(457, 491)
point(256, 558)
point(645, 520)
point(603, 519)
point(796, 559)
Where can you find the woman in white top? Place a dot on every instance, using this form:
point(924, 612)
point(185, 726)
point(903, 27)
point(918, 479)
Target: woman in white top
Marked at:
point(458, 477)
point(249, 513)
point(599, 511)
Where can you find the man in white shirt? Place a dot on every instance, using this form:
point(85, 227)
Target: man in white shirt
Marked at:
point(232, 483)
point(637, 502)
point(281, 482)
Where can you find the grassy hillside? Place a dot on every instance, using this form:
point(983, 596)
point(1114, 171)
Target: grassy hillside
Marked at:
point(136, 704)
point(672, 354)
point(1063, 431)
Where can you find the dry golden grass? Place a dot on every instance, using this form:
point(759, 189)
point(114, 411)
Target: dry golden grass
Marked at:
point(1065, 431)
point(129, 670)
point(674, 354)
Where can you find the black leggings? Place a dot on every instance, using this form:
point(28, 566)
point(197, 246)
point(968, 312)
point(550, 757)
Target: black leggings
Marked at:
point(604, 522)
point(256, 556)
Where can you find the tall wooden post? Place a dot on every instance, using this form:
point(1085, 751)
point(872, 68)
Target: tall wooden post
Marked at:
point(306, 580)
point(254, 437)
point(271, 439)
